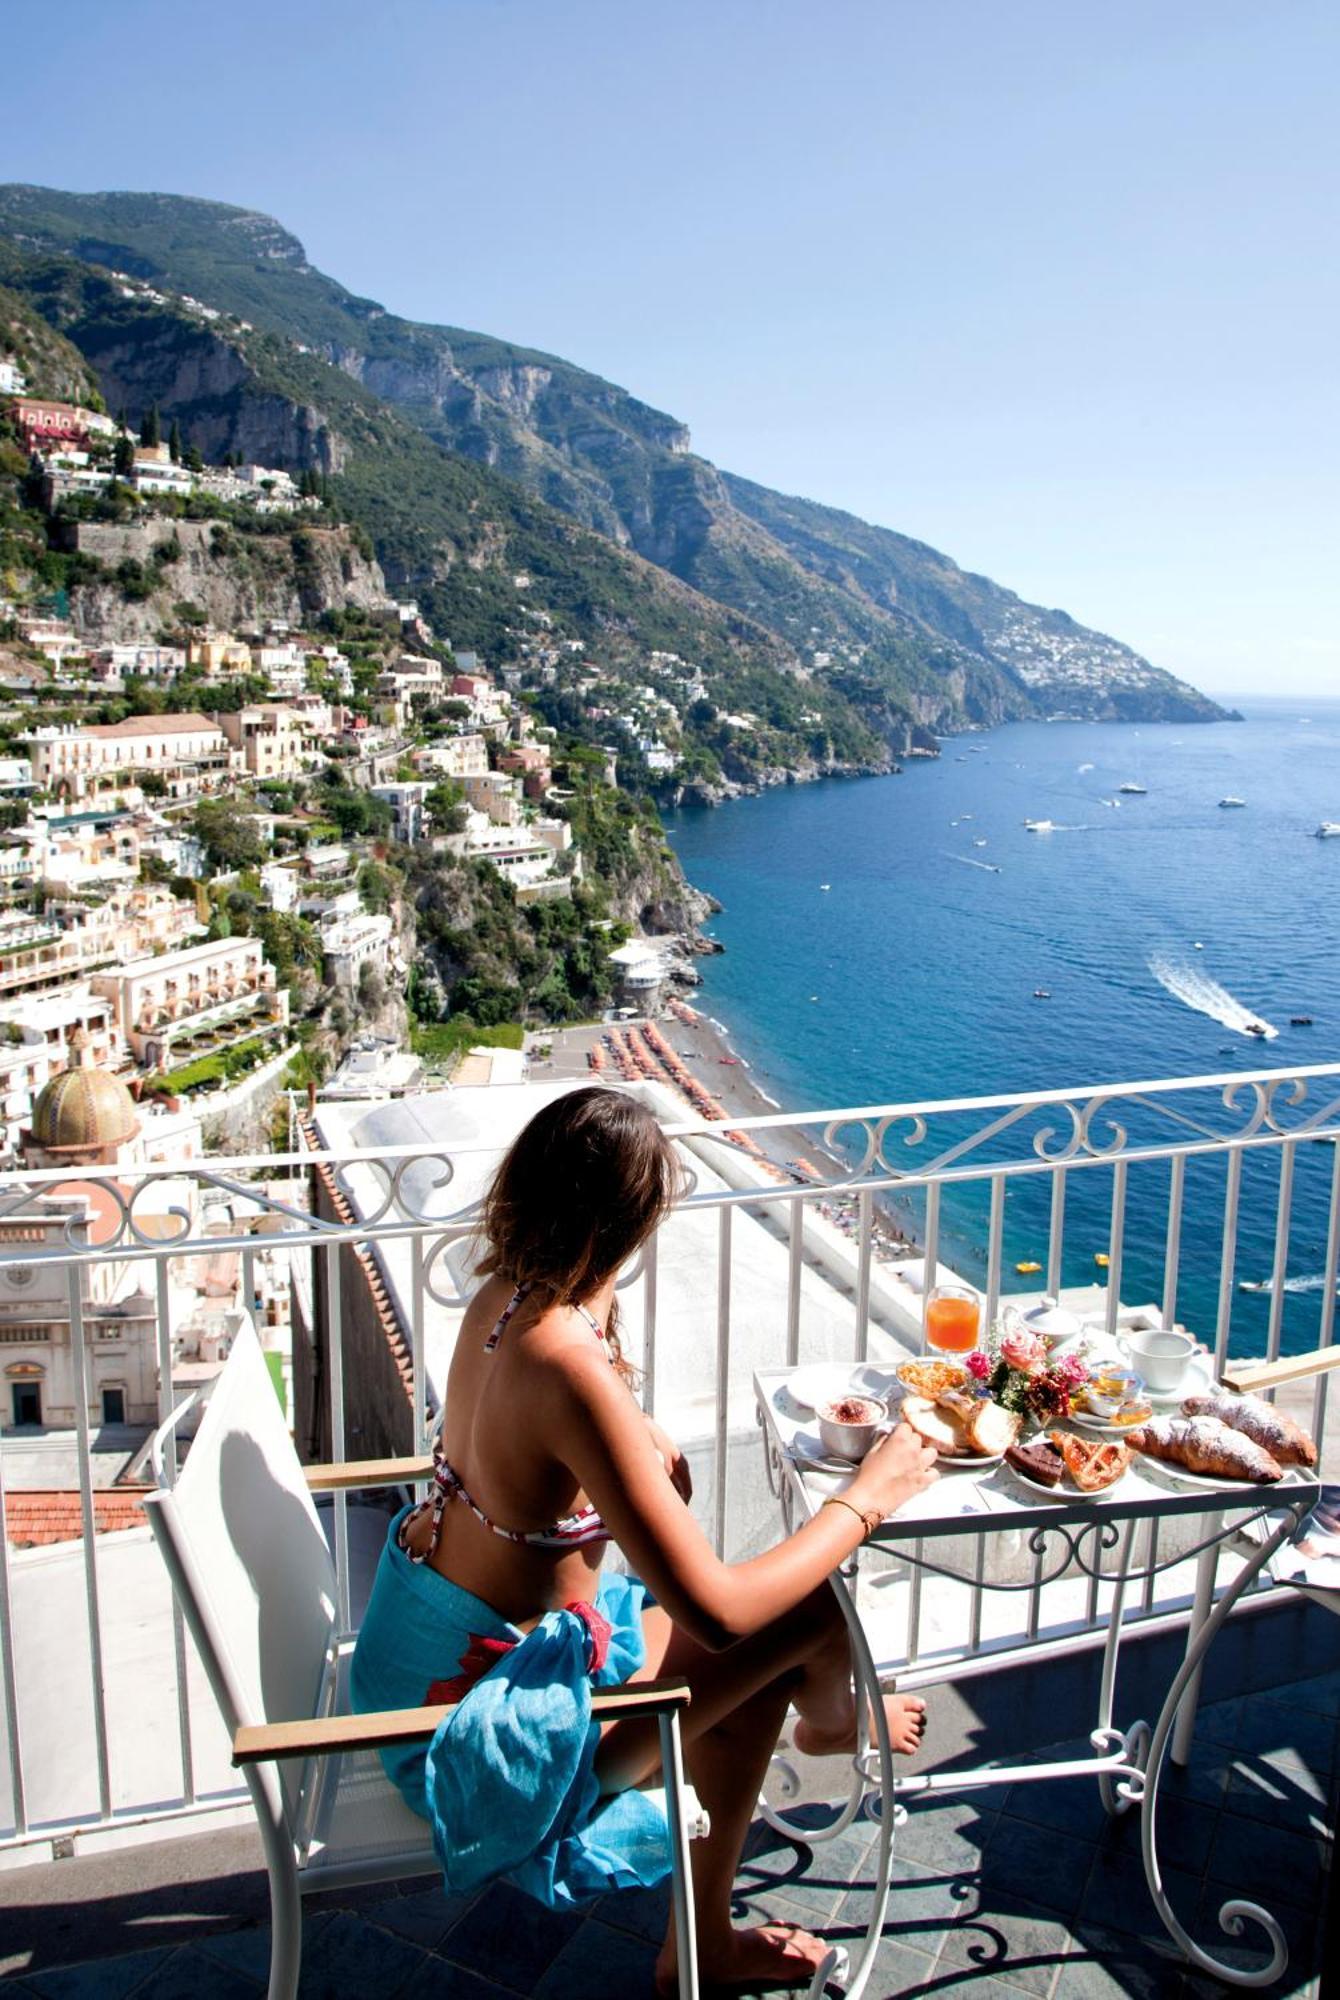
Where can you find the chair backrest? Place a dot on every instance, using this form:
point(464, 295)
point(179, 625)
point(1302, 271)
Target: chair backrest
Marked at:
point(246, 1551)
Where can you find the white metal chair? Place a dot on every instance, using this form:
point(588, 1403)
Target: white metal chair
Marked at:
point(256, 1582)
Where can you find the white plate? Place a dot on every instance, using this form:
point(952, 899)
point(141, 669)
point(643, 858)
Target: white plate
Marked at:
point(828, 1381)
point(1067, 1491)
point(959, 1463)
point(807, 1449)
point(1102, 1426)
point(1207, 1482)
point(818, 1382)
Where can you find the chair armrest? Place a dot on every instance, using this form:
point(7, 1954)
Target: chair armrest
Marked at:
point(1246, 1375)
point(259, 1743)
point(359, 1472)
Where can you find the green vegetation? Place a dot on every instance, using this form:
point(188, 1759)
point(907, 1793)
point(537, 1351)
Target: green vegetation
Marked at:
point(439, 1042)
point(228, 835)
point(222, 1066)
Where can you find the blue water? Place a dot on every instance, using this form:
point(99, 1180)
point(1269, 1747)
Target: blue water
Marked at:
point(912, 975)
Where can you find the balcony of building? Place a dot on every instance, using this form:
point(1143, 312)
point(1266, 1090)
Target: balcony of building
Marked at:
point(1214, 1203)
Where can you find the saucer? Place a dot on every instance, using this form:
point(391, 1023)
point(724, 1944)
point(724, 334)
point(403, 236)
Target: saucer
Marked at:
point(1197, 1380)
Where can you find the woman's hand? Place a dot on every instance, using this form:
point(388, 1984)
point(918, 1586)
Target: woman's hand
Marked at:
point(673, 1459)
point(897, 1467)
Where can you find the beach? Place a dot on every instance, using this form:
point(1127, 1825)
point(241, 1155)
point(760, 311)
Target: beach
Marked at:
point(702, 1047)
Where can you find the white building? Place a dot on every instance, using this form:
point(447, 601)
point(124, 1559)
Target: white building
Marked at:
point(406, 802)
point(153, 663)
point(280, 885)
point(154, 478)
point(455, 757)
point(350, 943)
point(224, 984)
point(642, 971)
point(12, 379)
point(189, 751)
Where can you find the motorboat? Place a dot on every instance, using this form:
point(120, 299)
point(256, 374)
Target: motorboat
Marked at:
point(1042, 993)
point(1231, 801)
point(1256, 1028)
point(1329, 830)
point(1134, 791)
point(1040, 825)
point(1300, 1020)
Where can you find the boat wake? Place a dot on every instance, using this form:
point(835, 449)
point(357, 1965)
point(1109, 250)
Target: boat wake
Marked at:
point(1197, 990)
point(970, 861)
point(1315, 1283)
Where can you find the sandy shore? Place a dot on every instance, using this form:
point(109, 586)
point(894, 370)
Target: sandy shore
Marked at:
point(705, 1050)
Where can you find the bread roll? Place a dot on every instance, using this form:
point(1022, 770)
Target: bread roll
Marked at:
point(938, 1427)
point(991, 1429)
point(1287, 1442)
point(1204, 1445)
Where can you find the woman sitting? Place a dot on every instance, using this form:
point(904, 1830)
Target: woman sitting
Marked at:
point(543, 1458)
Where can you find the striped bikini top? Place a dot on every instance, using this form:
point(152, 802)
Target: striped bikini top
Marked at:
point(574, 1531)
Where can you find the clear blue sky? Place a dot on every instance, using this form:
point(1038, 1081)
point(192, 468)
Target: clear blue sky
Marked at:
point(1052, 285)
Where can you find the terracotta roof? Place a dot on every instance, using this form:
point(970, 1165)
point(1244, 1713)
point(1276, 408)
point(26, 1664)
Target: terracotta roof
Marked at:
point(38, 1519)
point(152, 725)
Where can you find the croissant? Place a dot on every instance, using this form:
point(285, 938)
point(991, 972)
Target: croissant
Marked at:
point(1287, 1442)
point(1203, 1444)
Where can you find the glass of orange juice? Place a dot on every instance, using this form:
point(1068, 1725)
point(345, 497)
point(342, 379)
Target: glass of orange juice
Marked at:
point(952, 1318)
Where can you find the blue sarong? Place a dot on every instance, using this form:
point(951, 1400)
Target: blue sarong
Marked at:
point(508, 1781)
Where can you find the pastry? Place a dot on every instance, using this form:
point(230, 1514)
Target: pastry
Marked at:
point(1092, 1466)
point(1039, 1461)
point(1204, 1445)
point(1287, 1442)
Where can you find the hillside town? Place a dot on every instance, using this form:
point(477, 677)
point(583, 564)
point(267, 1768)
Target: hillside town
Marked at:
point(216, 843)
point(127, 844)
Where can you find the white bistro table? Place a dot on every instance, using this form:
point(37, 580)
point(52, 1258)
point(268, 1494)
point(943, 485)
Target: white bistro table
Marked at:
point(1062, 1536)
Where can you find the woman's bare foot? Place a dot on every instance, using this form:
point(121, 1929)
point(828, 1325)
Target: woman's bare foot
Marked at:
point(772, 1959)
point(906, 1715)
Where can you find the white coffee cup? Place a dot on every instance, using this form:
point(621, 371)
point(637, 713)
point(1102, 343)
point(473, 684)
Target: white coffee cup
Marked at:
point(847, 1434)
point(1160, 1354)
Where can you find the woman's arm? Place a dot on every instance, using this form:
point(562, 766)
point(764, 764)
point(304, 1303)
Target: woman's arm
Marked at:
point(671, 1457)
point(599, 1434)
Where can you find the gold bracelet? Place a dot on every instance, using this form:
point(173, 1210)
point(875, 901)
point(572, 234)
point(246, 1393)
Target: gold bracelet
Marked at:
point(836, 1500)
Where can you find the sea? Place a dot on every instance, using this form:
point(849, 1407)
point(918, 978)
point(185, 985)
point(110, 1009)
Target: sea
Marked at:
point(890, 940)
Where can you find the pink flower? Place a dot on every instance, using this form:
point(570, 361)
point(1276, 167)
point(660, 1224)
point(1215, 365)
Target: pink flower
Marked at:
point(1024, 1351)
point(977, 1364)
point(1073, 1369)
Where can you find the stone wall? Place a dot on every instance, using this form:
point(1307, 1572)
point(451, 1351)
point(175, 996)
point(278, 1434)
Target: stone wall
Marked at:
point(378, 1414)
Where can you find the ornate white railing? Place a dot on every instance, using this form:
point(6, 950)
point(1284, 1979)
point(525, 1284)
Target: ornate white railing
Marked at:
point(1212, 1200)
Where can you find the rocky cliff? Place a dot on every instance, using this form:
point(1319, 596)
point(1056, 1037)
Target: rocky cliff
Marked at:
point(235, 581)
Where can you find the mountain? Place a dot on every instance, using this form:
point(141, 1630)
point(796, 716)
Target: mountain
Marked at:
point(493, 568)
point(887, 621)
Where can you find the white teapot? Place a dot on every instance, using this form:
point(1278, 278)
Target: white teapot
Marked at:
point(1055, 1324)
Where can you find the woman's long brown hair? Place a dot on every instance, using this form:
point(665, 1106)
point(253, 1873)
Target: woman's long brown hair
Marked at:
point(581, 1188)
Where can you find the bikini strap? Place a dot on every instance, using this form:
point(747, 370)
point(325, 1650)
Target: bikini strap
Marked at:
point(500, 1324)
point(446, 1486)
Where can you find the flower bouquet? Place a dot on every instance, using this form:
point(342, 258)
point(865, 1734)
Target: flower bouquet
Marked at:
point(1015, 1372)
